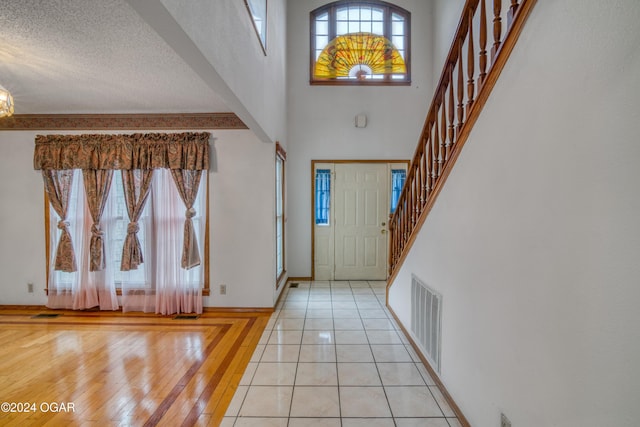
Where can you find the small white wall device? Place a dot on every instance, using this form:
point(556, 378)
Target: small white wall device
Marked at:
point(361, 121)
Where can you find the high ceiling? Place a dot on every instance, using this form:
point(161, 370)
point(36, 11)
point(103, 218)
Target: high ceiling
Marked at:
point(92, 57)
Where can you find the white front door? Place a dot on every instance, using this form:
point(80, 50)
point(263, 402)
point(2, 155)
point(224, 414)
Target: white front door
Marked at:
point(361, 214)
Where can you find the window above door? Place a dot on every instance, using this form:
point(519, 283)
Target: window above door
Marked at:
point(360, 43)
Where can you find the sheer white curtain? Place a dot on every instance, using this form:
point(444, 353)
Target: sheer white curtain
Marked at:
point(159, 284)
point(81, 289)
point(168, 288)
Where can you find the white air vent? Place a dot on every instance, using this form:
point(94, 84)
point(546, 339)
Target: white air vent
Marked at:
point(426, 319)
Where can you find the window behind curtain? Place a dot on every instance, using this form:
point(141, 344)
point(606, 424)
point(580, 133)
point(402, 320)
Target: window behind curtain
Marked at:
point(115, 221)
point(398, 177)
point(323, 196)
point(116, 239)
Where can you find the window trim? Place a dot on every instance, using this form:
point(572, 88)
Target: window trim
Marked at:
point(315, 195)
point(281, 155)
point(331, 9)
point(315, 165)
point(262, 35)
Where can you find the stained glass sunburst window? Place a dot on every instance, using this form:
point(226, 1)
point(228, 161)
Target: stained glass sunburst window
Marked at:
point(360, 42)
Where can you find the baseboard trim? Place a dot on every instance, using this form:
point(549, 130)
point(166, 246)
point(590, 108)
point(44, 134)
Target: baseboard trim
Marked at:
point(299, 279)
point(24, 307)
point(432, 372)
point(267, 310)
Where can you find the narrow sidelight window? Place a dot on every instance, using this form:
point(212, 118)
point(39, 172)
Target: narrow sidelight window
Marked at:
point(398, 177)
point(323, 196)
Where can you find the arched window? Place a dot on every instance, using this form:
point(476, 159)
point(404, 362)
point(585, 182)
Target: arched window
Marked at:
point(360, 42)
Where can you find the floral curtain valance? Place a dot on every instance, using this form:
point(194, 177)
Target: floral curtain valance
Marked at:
point(186, 151)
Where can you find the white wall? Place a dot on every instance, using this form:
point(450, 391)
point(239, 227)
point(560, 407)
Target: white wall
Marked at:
point(223, 31)
point(241, 209)
point(242, 214)
point(321, 118)
point(535, 240)
point(447, 14)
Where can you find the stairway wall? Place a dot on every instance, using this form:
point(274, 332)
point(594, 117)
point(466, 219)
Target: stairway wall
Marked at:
point(534, 241)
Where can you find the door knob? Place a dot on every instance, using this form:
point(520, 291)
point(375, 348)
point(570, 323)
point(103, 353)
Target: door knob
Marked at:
point(383, 224)
point(383, 231)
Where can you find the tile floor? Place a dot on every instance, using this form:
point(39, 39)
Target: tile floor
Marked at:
point(332, 355)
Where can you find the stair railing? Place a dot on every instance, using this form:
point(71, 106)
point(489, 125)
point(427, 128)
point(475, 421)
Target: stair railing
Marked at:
point(459, 97)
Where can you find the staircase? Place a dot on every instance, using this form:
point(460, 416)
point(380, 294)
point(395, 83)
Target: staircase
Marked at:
point(470, 72)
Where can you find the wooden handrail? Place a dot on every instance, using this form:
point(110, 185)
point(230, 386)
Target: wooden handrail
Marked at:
point(454, 109)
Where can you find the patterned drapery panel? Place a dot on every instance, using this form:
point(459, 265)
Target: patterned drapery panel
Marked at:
point(97, 184)
point(188, 182)
point(57, 184)
point(188, 150)
point(136, 184)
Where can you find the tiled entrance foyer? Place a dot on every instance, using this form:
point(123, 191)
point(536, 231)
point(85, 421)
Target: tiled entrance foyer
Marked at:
point(331, 355)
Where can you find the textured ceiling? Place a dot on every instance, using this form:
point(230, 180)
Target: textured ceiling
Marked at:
point(93, 56)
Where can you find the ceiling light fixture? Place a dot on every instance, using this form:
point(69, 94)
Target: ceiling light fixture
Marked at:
point(6, 102)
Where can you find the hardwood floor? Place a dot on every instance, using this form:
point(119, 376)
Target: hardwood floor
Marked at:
point(95, 368)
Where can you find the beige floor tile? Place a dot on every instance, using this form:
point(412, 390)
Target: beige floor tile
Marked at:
point(314, 422)
point(318, 324)
point(344, 305)
point(319, 314)
point(316, 374)
point(412, 401)
point(367, 422)
point(373, 314)
point(358, 374)
point(359, 283)
point(267, 401)
point(275, 374)
point(261, 422)
point(320, 296)
point(344, 314)
point(400, 374)
point(354, 353)
point(295, 305)
point(383, 337)
point(317, 353)
point(293, 314)
point(289, 324)
point(257, 353)
point(285, 337)
point(340, 296)
point(442, 402)
point(247, 376)
point(369, 303)
point(351, 337)
point(318, 337)
point(315, 402)
point(421, 422)
point(353, 324)
point(361, 402)
point(390, 353)
point(377, 324)
point(281, 353)
point(236, 402)
point(319, 305)
point(425, 374)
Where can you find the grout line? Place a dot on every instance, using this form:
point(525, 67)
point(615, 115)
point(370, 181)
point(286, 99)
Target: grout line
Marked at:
point(297, 302)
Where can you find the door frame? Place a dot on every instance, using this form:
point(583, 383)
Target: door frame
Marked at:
point(313, 198)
